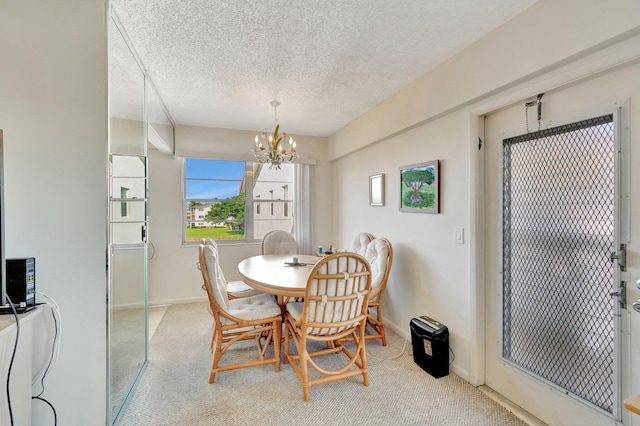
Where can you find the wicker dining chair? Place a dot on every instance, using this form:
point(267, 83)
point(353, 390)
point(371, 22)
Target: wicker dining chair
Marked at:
point(334, 308)
point(360, 243)
point(279, 242)
point(379, 254)
point(255, 317)
point(235, 289)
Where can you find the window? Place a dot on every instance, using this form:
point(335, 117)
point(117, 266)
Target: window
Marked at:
point(219, 199)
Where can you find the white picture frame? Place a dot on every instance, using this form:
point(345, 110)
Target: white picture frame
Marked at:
point(376, 190)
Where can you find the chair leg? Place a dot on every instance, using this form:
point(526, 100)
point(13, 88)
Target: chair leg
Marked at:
point(286, 341)
point(304, 369)
point(277, 343)
point(377, 325)
point(363, 360)
point(380, 323)
point(216, 346)
point(384, 337)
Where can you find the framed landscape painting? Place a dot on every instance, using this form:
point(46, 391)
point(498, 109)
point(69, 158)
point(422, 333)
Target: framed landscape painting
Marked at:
point(419, 188)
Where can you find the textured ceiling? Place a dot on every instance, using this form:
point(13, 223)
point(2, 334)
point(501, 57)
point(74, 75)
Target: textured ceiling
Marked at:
point(219, 63)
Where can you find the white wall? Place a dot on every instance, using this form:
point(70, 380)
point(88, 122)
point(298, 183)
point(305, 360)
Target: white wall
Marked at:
point(173, 276)
point(53, 110)
point(430, 273)
point(547, 46)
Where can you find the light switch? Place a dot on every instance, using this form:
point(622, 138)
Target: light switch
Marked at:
point(458, 235)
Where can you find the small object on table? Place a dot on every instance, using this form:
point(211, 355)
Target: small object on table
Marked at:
point(295, 263)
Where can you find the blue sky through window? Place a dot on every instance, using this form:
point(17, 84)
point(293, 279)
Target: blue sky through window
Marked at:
point(227, 174)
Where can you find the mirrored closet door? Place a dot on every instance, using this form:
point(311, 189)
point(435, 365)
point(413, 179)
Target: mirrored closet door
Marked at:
point(128, 216)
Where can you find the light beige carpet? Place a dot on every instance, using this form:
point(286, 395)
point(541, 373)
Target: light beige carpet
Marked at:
point(174, 389)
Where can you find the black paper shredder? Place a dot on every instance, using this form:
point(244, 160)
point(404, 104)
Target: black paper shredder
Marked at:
point(430, 341)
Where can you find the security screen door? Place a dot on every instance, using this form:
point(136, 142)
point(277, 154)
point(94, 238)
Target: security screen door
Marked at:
point(558, 236)
point(554, 258)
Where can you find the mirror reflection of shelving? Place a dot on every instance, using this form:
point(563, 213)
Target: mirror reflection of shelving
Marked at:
point(128, 201)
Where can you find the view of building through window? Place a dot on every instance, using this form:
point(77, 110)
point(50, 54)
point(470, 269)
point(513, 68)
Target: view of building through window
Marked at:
point(236, 200)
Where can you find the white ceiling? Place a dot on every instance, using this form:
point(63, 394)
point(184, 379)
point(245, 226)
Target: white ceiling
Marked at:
point(219, 63)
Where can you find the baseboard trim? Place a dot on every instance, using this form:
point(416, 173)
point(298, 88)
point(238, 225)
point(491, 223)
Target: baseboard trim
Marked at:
point(178, 301)
point(515, 409)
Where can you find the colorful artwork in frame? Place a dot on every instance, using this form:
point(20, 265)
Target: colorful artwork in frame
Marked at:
point(420, 188)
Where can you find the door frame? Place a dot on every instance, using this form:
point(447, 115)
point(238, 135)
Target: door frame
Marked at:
point(581, 68)
point(478, 226)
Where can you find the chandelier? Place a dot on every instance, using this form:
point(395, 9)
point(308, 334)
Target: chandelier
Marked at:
point(274, 151)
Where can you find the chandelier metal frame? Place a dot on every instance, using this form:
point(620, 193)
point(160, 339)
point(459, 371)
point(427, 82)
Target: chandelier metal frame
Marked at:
point(274, 151)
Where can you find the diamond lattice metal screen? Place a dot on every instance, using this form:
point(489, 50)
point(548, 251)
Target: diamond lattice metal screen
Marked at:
point(558, 230)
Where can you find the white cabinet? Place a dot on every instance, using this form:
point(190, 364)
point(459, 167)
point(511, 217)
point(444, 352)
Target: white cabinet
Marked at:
point(21, 371)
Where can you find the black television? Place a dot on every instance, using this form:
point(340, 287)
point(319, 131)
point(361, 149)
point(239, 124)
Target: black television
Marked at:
point(3, 277)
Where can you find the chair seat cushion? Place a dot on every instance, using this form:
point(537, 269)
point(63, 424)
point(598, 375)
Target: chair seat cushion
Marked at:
point(241, 289)
point(256, 307)
point(295, 309)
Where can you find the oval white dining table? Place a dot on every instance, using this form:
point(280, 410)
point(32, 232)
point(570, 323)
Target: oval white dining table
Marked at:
point(270, 274)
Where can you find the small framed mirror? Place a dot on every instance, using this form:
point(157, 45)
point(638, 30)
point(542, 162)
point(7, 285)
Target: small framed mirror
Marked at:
point(376, 190)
